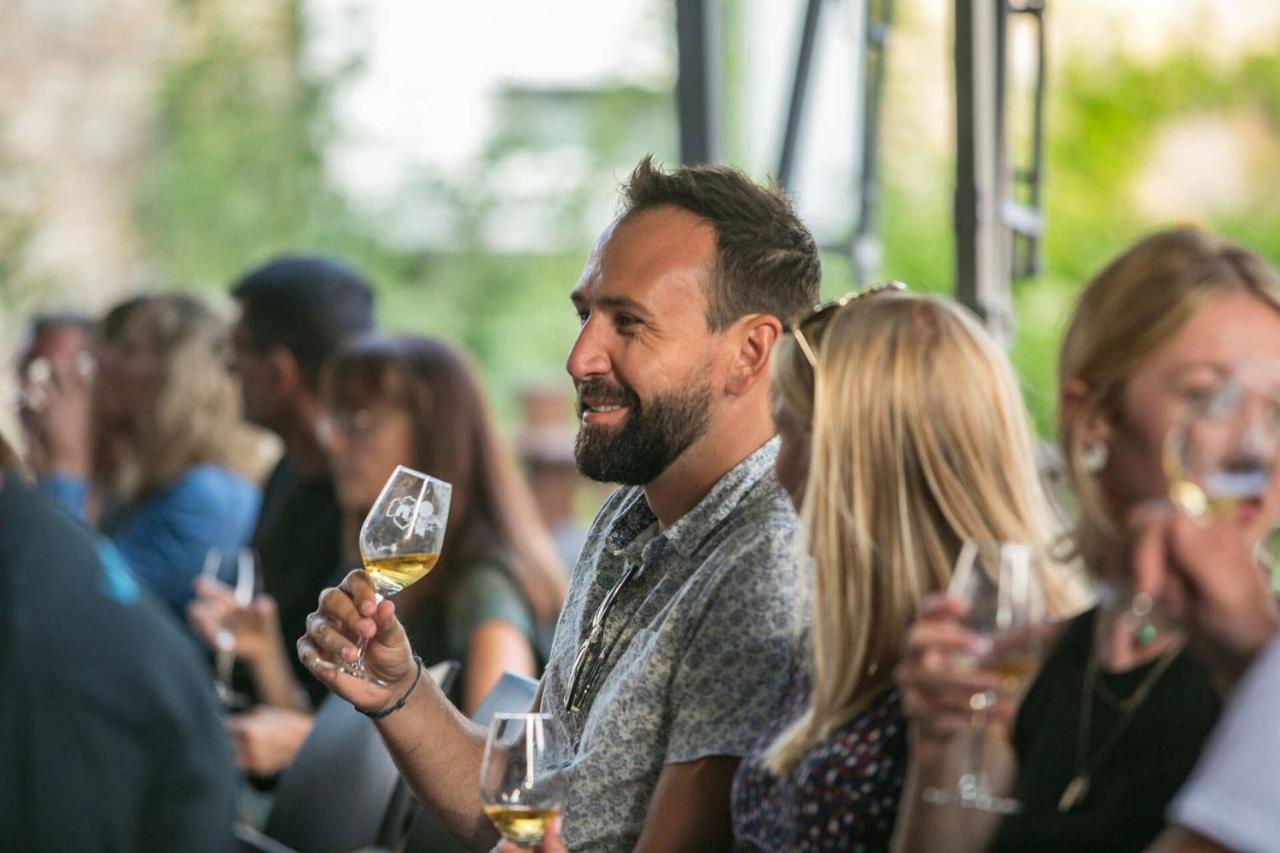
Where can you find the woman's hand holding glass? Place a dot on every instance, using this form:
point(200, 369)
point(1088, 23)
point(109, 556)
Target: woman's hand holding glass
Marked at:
point(971, 654)
point(251, 631)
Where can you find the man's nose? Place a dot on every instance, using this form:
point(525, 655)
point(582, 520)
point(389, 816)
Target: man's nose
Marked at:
point(589, 355)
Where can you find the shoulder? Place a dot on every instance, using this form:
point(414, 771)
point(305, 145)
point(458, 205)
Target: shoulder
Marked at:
point(210, 489)
point(756, 558)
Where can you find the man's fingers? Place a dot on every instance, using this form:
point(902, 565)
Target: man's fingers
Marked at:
point(363, 595)
point(337, 605)
point(321, 632)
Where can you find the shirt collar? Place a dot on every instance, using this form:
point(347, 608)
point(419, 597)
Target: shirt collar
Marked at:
point(693, 528)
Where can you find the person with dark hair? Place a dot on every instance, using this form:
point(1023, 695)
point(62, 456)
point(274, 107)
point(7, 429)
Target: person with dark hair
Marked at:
point(491, 600)
point(110, 737)
point(671, 654)
point(295, 313)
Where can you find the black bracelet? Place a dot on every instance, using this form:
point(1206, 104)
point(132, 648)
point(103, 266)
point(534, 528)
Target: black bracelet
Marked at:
point(378, 715)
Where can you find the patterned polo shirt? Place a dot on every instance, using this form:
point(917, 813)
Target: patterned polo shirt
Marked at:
point(698, 638)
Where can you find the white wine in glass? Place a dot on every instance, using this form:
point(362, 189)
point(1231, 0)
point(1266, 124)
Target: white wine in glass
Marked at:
point(1003, 585)
point(400, 539)
point(522, 781)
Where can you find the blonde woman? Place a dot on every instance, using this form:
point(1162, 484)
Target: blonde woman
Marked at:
point(903, 434)
point(169, 438)
point(1115, 719)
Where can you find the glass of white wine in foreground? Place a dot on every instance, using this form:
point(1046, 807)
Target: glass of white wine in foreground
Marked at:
point(401, 538)
point(522, 782)
point(1002, 583)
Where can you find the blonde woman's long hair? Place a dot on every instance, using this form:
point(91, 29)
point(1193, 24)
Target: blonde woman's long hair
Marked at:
point(192, 411)
point(920, 440)
point(1131, 309)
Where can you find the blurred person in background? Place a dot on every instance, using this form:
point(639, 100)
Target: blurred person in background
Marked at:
point(1113, 723)
point(53, 341)
point(296, 311)
point(490, 602)
point(546, 448)
point(110, 735)
point(160, 426)
point(903, 438)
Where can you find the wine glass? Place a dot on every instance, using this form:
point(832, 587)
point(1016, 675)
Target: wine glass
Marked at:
point(1222, 453)
point(400, 540)
point(522, 781)
point(1002, 584)
point(245, 583)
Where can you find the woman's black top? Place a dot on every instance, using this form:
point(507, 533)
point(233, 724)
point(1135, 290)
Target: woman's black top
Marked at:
point(1134, 780)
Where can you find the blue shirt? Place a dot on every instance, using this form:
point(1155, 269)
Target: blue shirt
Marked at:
point(166, 537)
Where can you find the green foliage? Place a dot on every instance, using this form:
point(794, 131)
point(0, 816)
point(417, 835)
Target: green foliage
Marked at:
point(1105, 115)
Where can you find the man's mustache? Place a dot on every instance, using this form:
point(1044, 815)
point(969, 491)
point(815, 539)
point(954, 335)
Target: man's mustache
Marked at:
point(602, 393)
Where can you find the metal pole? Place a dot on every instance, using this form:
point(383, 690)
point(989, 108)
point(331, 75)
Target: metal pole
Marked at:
point(982, 239)
point(799, 88)
point(698, 80)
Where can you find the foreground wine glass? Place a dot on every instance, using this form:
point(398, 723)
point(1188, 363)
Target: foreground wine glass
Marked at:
point(400, 540)
point(522, 782)
point(1222, 454)
point(1002, 584)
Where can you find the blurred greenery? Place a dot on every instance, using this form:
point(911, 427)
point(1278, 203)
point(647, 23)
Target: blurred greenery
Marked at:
point(238, 174)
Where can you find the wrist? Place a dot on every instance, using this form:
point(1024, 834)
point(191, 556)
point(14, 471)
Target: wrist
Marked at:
point(403, 694)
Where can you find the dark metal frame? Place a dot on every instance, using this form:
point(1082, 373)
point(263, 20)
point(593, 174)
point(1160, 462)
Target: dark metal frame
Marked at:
point(698, 83)
point(998, 235)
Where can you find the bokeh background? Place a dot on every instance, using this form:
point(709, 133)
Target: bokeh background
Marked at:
point(465, 155)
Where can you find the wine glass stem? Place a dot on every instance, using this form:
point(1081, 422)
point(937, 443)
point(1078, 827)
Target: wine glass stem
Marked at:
point(973, 778)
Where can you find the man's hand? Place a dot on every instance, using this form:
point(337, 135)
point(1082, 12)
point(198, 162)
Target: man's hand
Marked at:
point(346, 614)
point(266, 739)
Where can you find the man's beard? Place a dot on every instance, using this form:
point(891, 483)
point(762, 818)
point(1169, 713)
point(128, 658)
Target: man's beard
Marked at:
point(648, 441)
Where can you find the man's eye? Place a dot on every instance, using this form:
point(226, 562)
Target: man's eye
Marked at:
point(625, 321)
point(582, 318)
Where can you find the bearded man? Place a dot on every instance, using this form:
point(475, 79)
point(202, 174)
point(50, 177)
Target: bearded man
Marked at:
point(671, 653)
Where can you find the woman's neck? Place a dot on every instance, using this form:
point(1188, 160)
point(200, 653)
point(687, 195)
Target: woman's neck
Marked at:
point(1116, 642)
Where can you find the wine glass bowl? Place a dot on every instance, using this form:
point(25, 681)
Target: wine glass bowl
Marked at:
point(1001, 584)
point(400, 540)
point(522, 781)
point(1222, 453)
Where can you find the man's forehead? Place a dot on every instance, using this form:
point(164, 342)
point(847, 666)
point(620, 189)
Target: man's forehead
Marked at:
point(663, 251)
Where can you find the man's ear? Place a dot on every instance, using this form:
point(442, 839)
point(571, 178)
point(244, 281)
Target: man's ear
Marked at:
point(754, 337)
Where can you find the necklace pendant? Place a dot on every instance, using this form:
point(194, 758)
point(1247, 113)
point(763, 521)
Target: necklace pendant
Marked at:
point(1077, 789)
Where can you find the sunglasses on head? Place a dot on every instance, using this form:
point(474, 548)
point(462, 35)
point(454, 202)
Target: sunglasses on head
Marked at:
point(826, 309)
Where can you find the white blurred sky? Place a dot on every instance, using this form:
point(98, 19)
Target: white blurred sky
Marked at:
point(423, 96)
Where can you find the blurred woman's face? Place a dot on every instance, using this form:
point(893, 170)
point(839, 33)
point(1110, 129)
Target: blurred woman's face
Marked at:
point(365, 445)
point(1233, 328)
point(792, 465)
point(129, 372)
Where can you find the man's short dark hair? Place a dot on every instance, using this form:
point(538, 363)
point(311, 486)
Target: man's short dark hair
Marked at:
point(309, 305)
point(766, 259)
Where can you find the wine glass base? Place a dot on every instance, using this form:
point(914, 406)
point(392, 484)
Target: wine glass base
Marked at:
point(978, 800)
point(355, 670)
